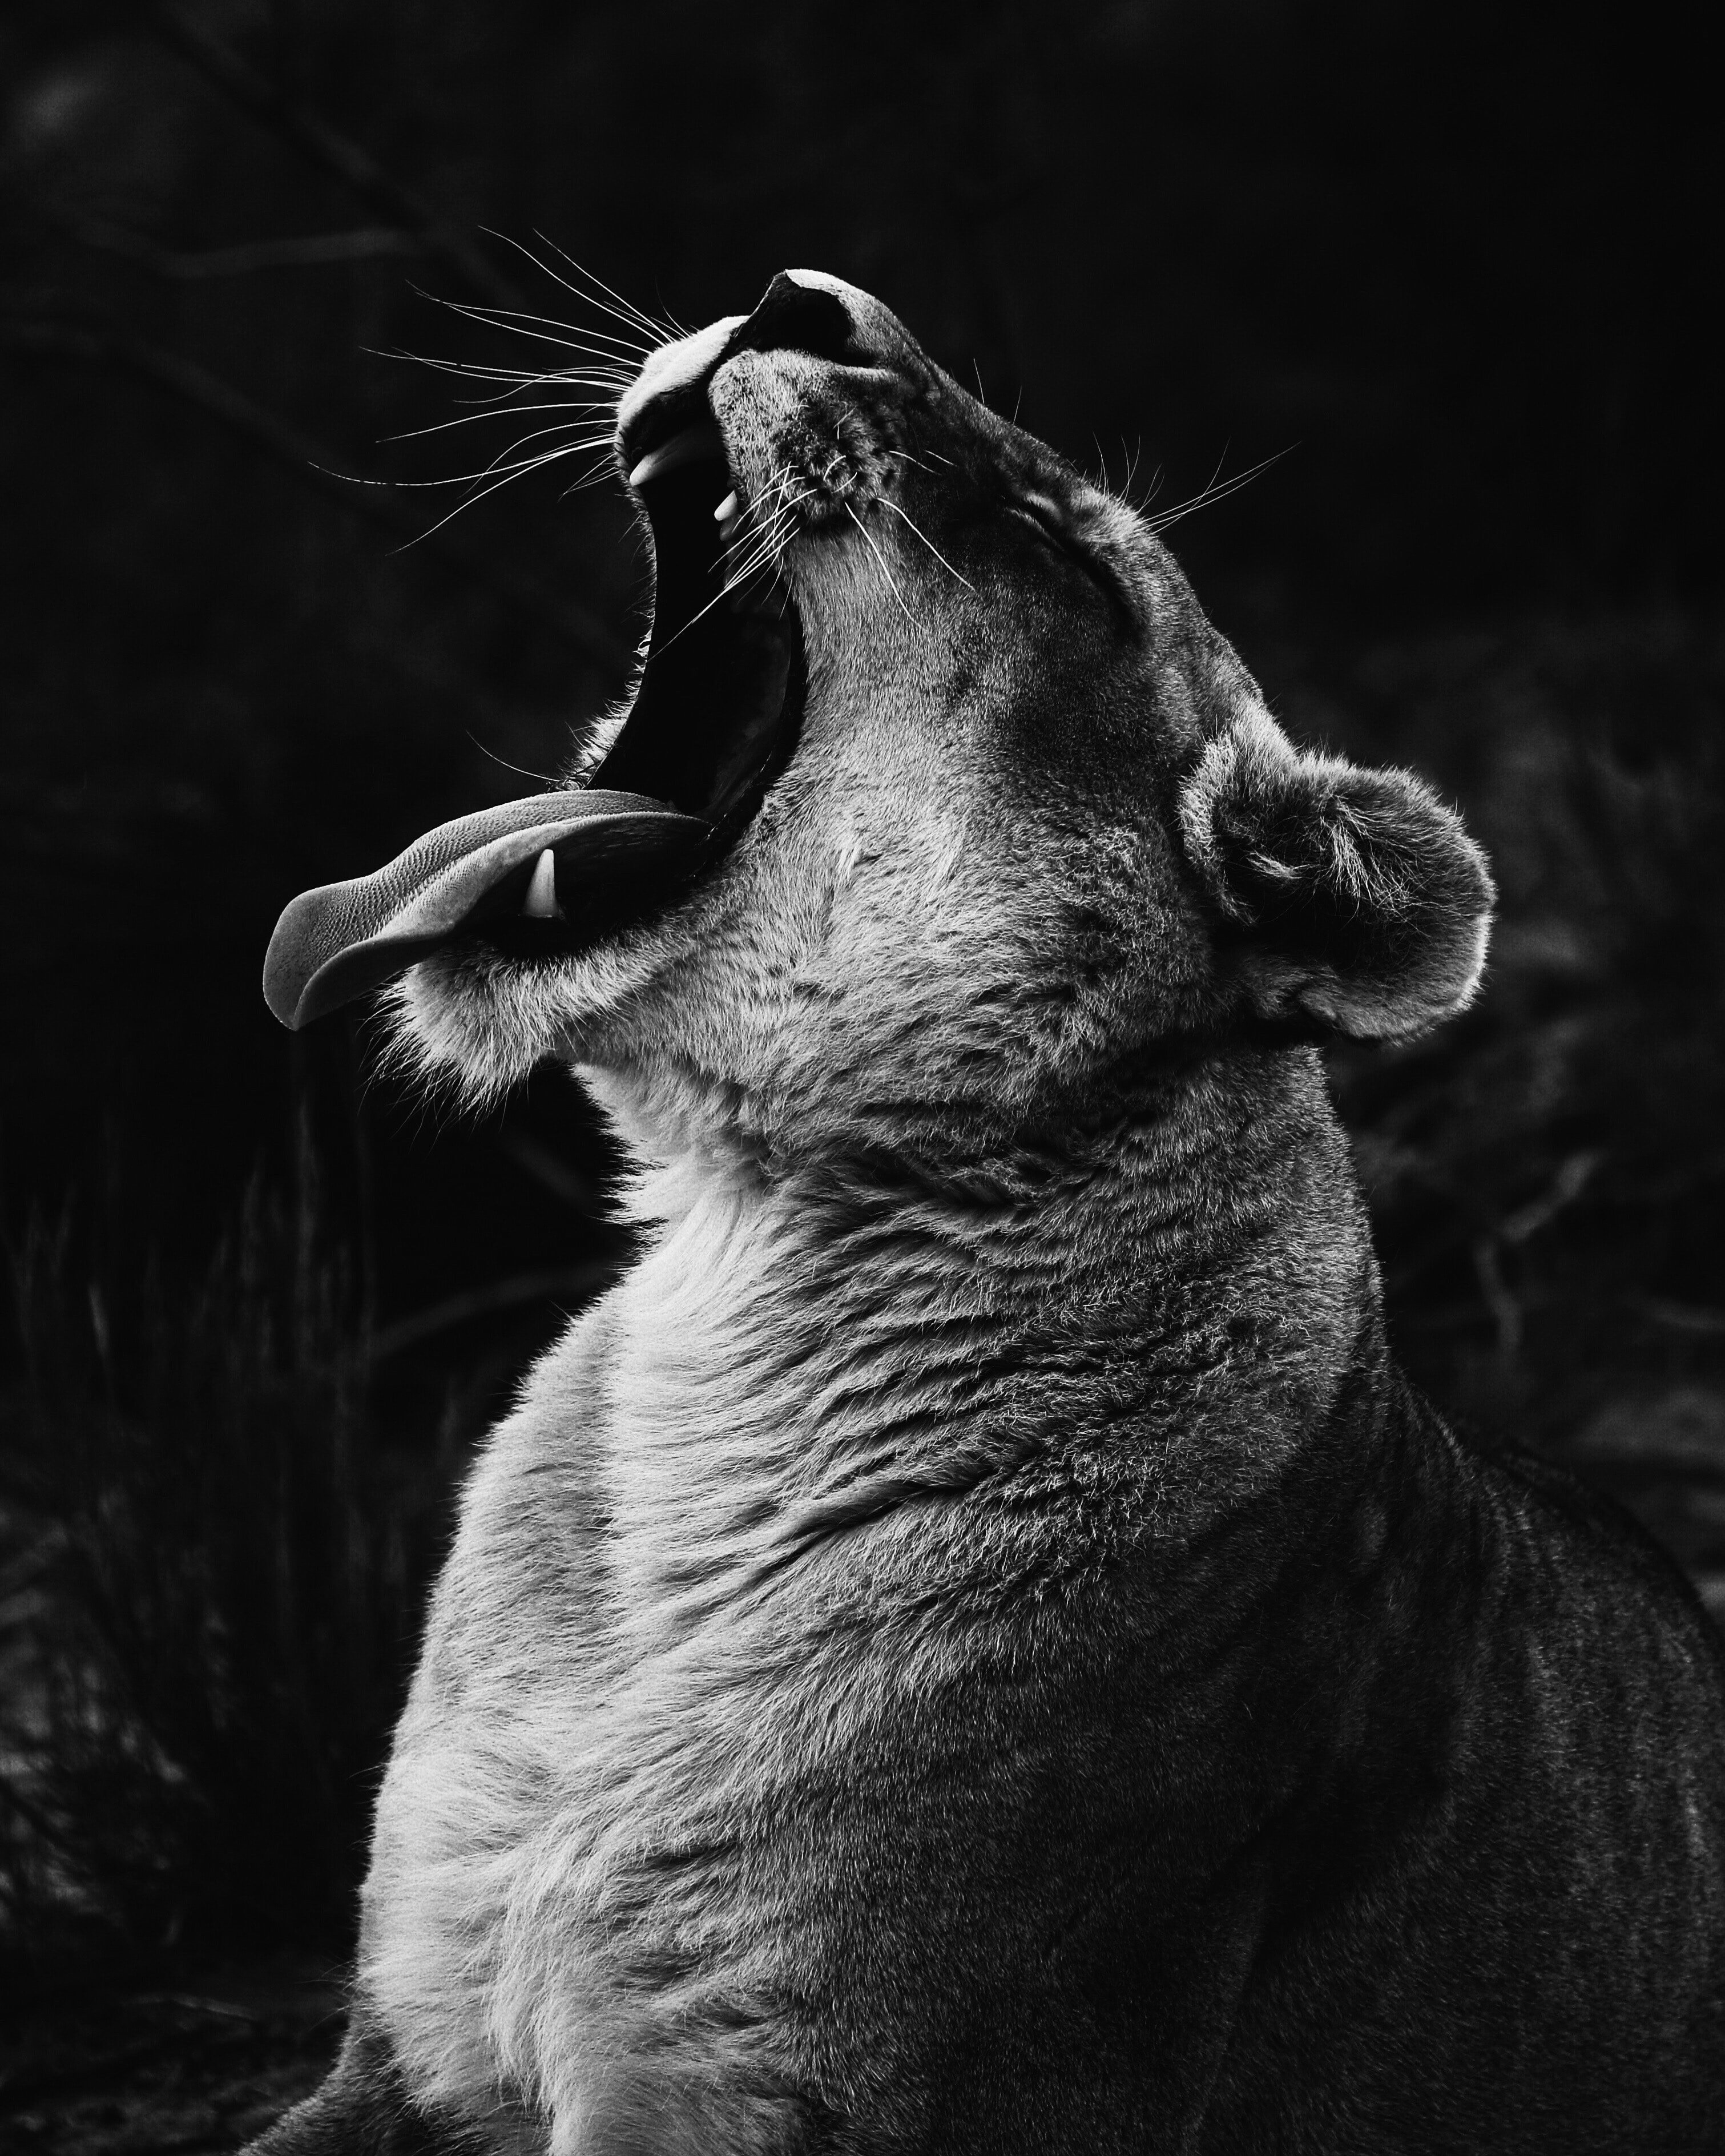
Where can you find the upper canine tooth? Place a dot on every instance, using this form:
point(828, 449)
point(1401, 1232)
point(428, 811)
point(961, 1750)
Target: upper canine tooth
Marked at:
point(728, 509)
point(702, 439)
point(541, 903)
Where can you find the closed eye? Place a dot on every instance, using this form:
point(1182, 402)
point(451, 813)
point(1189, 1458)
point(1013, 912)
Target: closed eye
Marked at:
point(1043, 518)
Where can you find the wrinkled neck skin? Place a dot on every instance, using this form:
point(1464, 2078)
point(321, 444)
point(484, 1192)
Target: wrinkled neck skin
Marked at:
point(1125, 1324)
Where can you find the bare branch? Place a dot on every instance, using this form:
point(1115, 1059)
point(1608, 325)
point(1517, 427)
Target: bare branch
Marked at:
point(315, 250)
point(568, 1283)
point(312, 462)
point(325, 146)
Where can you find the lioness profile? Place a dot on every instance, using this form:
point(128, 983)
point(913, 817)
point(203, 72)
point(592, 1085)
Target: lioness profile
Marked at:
point(972, 1644)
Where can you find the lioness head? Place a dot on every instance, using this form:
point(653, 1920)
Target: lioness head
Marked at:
point(937, 797)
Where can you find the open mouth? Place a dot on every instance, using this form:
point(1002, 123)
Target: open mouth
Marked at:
point(721, 697)
point(713, 724)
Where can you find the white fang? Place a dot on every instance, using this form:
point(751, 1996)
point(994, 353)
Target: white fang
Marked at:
point(541, 902)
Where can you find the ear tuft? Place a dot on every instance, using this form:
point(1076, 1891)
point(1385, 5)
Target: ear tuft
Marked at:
point(1354, 897)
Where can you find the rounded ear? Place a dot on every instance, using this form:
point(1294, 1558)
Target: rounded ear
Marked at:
point(1358, 898)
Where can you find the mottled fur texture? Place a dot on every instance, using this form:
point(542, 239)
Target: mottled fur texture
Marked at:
point(972, 1645)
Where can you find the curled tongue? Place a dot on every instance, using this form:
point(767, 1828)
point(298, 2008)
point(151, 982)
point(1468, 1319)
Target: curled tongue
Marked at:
point(334, 943)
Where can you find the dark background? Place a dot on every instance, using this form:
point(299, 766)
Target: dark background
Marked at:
point(1445, 265)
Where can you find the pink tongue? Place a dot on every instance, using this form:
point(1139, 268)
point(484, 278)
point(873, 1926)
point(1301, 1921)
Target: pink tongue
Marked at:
point(334, 943)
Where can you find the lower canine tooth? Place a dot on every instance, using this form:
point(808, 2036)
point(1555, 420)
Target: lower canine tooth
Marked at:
point(726, 509)
point(541, 903)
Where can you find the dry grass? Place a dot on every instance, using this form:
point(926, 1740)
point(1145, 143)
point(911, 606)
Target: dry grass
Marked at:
point(214, 1581)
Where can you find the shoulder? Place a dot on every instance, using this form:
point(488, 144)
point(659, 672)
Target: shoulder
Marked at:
point(1596, 1552)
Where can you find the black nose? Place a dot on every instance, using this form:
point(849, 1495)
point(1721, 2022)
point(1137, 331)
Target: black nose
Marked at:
point(794, 317)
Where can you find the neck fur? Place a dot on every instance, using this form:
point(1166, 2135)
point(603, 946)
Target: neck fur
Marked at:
point(1151, 1312)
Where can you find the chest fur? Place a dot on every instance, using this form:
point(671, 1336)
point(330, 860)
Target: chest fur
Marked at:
point(636, 1690)
point(718, 1583)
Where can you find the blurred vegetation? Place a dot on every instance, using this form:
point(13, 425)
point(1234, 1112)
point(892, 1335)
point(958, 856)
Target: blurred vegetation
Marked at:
point(230, 1568)
point(1452, 259)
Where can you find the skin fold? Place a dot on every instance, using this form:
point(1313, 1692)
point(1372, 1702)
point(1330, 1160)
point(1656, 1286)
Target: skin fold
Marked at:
point(974, 1645)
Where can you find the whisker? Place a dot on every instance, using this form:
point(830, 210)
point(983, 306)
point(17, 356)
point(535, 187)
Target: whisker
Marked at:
point(881, 559)
point(928, 542)
point(758, 561)
point(495, 411)
point(603, 467)
point(763, 543)
point(1213, 493)
point(596, 344)
point(498, 469)
point(764, 555)
point(505, 318)
point(569, 447)
point(1151, 490)
point(480, 493)
point(520, 769)
point(723, 592)
point(496, 318)
point(659, 332)
point(520, 377)
point(624, 312)
point(760, 547)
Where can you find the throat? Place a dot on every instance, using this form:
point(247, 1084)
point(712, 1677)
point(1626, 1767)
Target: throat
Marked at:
point(1146, 1327)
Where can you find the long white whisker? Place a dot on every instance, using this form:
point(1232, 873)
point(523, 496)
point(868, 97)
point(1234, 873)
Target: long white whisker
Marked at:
point(771, 532)
point(624, 312)
point(631, 313)
point(497, 468)
point(1213, 493)
point(604, 466)
point(564, 343)
point(760, 547)
point(630, 318)
point(543, 776)
point(513, 321)
point(494, 411)
point(763, 555)
point(469, 502)
point(507, 318)
point(926, 541)
point(596, 344)
point(569, 447)
point(723, 592)
point(881, 559)
point(519, 377)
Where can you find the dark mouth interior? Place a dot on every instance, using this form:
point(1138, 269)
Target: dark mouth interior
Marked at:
point(716, 718)
point(724, 668)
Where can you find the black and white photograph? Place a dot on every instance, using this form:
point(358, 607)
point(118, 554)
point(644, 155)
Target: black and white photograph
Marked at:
point(862, 1094)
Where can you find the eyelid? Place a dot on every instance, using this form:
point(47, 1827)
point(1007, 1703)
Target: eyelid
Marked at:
point(1045, 513)
point(1051, 520)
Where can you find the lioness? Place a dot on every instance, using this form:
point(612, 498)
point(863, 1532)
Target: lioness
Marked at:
point(972, 1645)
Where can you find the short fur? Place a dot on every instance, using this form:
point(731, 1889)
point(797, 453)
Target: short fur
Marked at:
point(972, 1645)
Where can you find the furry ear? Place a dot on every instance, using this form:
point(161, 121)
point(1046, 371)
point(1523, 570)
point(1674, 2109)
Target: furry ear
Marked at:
point(1358, 898)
